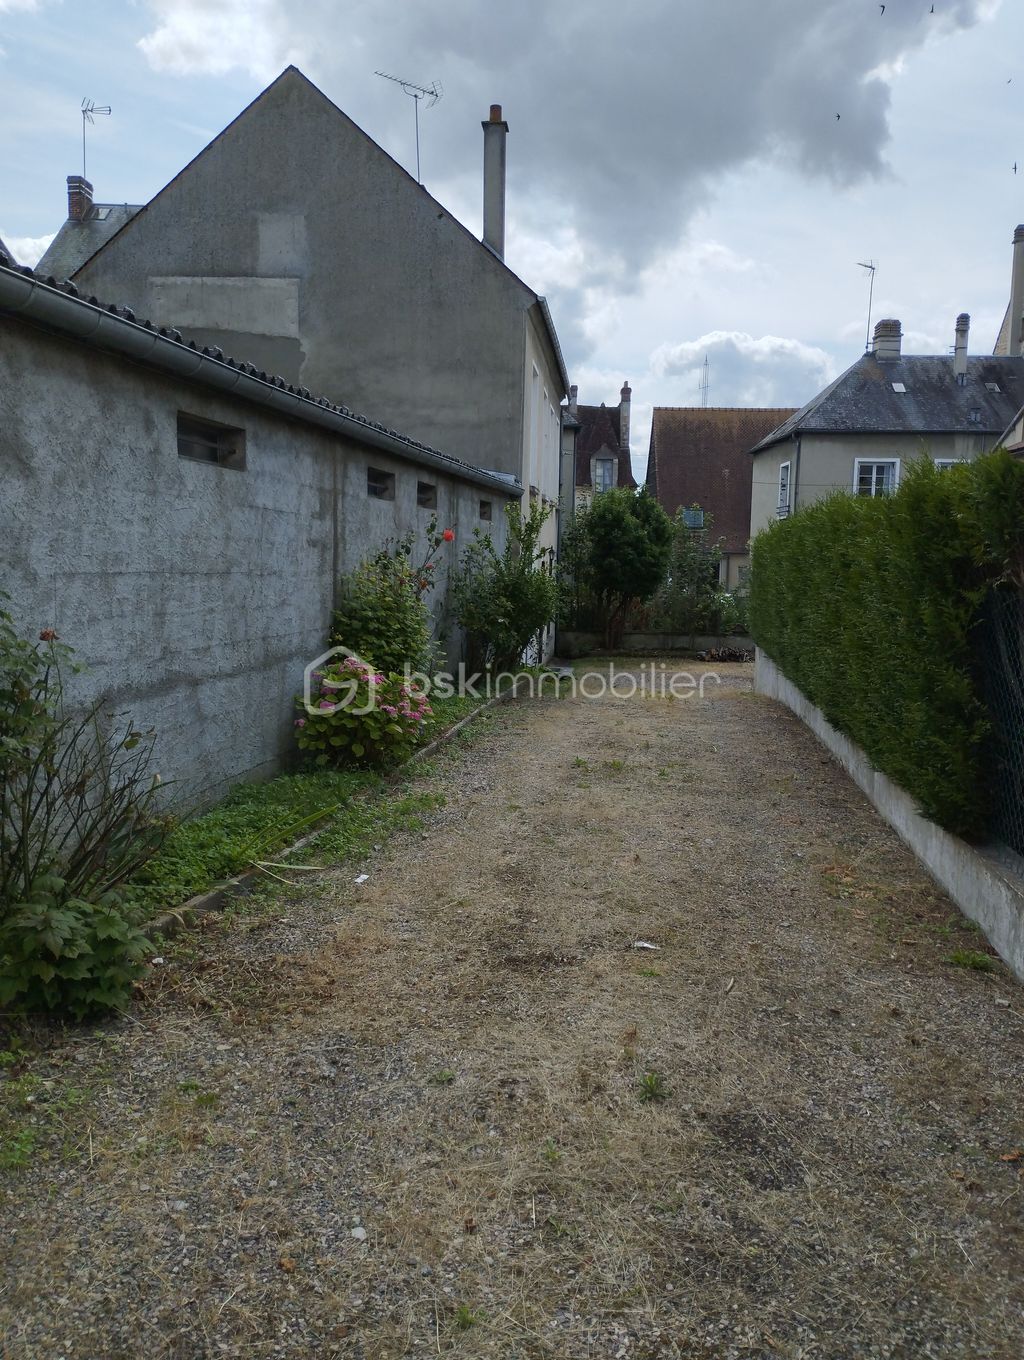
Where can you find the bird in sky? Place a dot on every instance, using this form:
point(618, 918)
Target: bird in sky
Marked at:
point(1015, 167)
point(838, 116)
point(882, 8)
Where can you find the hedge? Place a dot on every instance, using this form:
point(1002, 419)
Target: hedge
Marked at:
point(872, 608)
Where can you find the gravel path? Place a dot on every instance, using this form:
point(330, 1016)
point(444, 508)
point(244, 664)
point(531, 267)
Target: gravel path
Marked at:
point(456, 1109)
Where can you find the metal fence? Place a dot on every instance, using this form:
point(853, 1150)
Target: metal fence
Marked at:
point(1003, 664)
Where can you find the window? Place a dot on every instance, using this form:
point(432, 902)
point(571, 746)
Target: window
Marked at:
point(426, 495)
point(871, 478)
point(943, 463)
point(693, 519)
point(485, 510)
point(380, 484)
point(974, 415)
point(899, 387)
point(604, 474)
point(993, 387)
point(783, 490)
point(206, 441)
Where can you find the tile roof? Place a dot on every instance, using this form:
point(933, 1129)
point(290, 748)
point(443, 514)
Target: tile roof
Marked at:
point(164, 347)
point(600, 430)
point(77, 242)
point(700, 456)
point(863, 400)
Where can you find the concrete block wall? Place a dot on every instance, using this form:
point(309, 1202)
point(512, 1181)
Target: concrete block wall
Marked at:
point(194, 594)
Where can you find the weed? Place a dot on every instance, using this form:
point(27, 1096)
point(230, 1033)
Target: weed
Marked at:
point(16, 1149)
point(443, 1078)
point(615, 766)
point(972, 958)
point(651, 1087)
point(649, 972)
point(581, 764)
point(466, 1318)
point(551, 1152)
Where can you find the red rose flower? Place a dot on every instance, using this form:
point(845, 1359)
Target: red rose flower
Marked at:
point(48, 635)
point(449, 535)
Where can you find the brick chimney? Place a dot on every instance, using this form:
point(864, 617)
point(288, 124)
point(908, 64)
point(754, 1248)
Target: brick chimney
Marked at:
point(963, 327)
point(624, 399)
point(495, 138)
point(888, 341)
point(79, 198)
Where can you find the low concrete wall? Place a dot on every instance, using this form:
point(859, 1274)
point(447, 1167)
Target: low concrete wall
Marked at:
point(982, 885)
point(572, 644)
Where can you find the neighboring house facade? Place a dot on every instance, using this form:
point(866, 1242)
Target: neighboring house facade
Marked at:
point(183, 521)
point(700, 456)
point(885, 411)
point(295, 239)
point(595, 449)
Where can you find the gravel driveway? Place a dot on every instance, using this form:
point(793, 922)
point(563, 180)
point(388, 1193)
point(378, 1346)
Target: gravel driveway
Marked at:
point(456, 1109)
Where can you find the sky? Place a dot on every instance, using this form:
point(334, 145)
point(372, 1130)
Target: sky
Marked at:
point(679, 182)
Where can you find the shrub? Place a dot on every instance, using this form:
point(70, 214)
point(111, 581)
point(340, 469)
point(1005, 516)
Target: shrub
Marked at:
point(692, 600)
point(360, 716)
point(382, 612)
point(503, 601)
point(77, 817)
point(871, 606)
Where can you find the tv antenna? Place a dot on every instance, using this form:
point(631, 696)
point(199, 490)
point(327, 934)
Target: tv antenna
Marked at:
point(416, 93)
point(705, 381)
point(870, 266)
point(89, 110)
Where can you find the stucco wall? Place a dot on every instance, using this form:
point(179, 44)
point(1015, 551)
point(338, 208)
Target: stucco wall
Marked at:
point(195, 594)
point(295, 242)
point(826, 464)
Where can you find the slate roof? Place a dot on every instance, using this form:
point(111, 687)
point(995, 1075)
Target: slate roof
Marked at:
point(306, 404)
point(863, 400)
point(77, 242)
point(701, 456)
point(600, 431)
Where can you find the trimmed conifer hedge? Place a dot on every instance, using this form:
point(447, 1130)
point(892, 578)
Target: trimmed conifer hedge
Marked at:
point(872, 608)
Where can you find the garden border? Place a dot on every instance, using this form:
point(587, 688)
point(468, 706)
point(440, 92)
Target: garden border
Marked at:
point(982, 884)
point(229, 889)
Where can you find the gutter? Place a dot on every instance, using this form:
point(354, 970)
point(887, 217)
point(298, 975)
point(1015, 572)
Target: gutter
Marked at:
point(116, 331)
point(563, 372)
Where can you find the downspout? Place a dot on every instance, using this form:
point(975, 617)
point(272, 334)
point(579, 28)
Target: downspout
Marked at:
point(796, 474)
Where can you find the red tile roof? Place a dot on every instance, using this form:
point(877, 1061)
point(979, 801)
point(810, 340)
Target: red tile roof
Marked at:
point(701, 456)
point(600, 431)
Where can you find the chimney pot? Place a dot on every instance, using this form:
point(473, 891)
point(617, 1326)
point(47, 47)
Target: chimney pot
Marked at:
point(495, 138)
point(573, 398)
point(1014, 339)
point(888, 340)
point(79, 198)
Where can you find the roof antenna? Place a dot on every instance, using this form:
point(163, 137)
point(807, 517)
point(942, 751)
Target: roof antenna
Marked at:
point(417, 92)
point(870, 266)
point(88, 110)
point(705, 381)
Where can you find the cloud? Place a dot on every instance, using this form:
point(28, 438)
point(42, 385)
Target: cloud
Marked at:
point(194, 37)
point(8, 6)
point(771, 370)
point(28, 249)
point(640, 110)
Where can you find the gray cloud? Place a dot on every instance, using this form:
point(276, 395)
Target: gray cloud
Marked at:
point(621, 119)
point(769, 370)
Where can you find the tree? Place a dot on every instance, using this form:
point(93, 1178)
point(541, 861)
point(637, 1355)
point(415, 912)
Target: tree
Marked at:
point(691, 600)
point(630, 541)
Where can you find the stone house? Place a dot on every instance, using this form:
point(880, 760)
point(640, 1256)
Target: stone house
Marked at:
point(595, 449)
point(296, 240)
point(182, 520)
point(700, 456)
point(886, 410)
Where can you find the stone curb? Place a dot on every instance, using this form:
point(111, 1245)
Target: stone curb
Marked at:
point(218, 897)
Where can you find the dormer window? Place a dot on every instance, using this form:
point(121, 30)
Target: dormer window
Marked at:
point(899, 387)
point(604, 474)
point(993, 387)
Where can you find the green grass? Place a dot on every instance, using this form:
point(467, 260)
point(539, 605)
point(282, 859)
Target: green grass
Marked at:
point(257, 820)
point(972, 958)
point(651, 1087)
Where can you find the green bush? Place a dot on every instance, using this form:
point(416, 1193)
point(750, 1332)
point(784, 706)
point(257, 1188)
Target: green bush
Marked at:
point(871, 606)
point(358, 716)
point(503, 601)
point(78, 816)
point(382, 614)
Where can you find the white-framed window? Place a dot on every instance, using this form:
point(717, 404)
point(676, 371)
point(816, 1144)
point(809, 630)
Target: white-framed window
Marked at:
point(604, 474)
point(943, 463)
point(783, 490)
point(875, 476)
